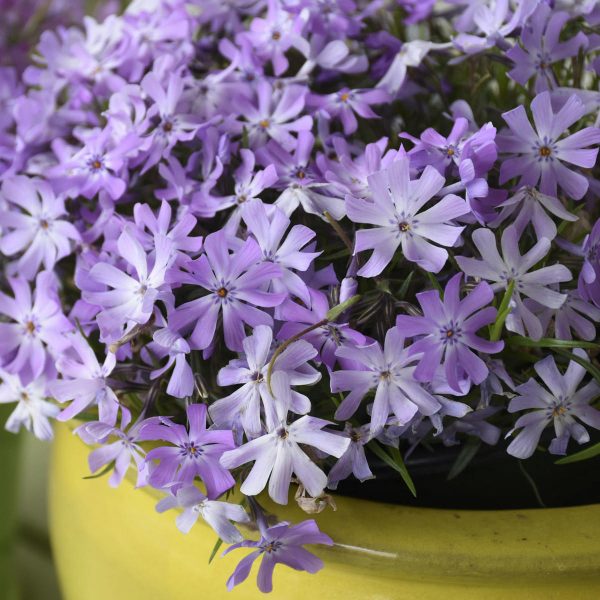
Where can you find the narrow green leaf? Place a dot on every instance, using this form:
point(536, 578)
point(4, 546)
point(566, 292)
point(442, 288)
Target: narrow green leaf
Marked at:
point(581, 455)
point(503, 312)
point(435, 283)
point(395, 462)
point(465, 456)
point(104, 471)
point(517, 340)
point(215, 550)
point(405, 285)
point(336, 311)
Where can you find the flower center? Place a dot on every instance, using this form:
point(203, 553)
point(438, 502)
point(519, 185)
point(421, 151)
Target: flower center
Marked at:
point(24, 396)
point(96, 163)
point(167, 126)
point(30, 327)
point(276, 36)
point(345, 97)
point(269, 547)
point(403, 226)
point(545, 151)
point(355, 436)
point(559, 411)
point(264, 123)
point(242, 198)
point(44, 224)
point(190, 449)
point(222, 292)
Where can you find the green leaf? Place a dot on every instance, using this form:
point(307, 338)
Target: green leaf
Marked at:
point(104, 471)
point(517, 340)
point(503, 312)
point(588, 366)
point(581, 455)
point(405, 285)
point(435, 283)
point(395, 462)
point(215, 550)
point(465, 456)
point(336, 311)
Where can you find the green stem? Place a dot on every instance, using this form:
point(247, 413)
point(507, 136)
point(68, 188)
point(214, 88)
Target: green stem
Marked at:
point(503, 312)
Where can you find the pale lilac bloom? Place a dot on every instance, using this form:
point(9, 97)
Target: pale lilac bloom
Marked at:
point(288, 253)
point(195, 452)
point(277, 33)
point(396, 211)
point(85, 382)
point(575, 314)
point(560, 403)
point(539, 155)
point(181, 382)
point(512, 266)
point(588, 283)
point(236, 287)
point(326, 338)
point(217, 514)
point(299, 180)
point(241, 410)
point(97, 166)
point(275, 114)
point(277, 454)
point(122, 452)
point(447, 332)
point(493, 21)
point(280, 544)
point(173, 125)
point(353, 461)
point(527, 205)
point(475, 424)
point(132, 297)
point(33, 410)
point(541, 48)
point(38, 229)
point(36, 326)
point(390, 371)
point(346, 102)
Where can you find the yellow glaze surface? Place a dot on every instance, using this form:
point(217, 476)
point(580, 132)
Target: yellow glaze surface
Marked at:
point(110, 544)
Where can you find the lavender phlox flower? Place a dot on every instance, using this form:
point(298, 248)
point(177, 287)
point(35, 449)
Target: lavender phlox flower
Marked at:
point(344, 103)
point(241, 410)
point(473, 424)
point(85, 382)
point(349, 173)
point(181, 382)
point(334, 55)
point(161, 224)
point(530, 206)
point(36, 227)
point(179, 186)
point(561, 403)
point(33, 410)
point(277, 454)
point(540, 154)
point(172, 126)
point(119, 453)
point(274, 114)
point(447, 332)
point(388, 370)
point(195, 452)
point(248, 186)
point(575, 315)
point(132, 297)
point(280, 544)
point(353, 461)
point(494, 22)
point(217, 514)
point(541, 47)
point(326, 338)
point(236, 288)
point(36, 326)
point(512, 266)
point(277, 33)
point(288, 253)
point(497, 383)
point(298, 179)
point(396, 211)
point(411, 54)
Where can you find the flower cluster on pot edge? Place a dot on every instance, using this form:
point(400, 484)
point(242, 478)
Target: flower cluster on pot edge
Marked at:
point(259, 243)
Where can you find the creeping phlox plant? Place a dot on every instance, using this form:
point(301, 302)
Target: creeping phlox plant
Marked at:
point(266, 244)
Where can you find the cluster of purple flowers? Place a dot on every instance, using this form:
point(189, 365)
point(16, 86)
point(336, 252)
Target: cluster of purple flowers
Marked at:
point(248, 243)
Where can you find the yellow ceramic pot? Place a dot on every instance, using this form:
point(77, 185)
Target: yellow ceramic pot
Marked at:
point(112, 545)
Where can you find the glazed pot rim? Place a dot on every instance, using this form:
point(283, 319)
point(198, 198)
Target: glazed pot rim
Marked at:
point(433, 543)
